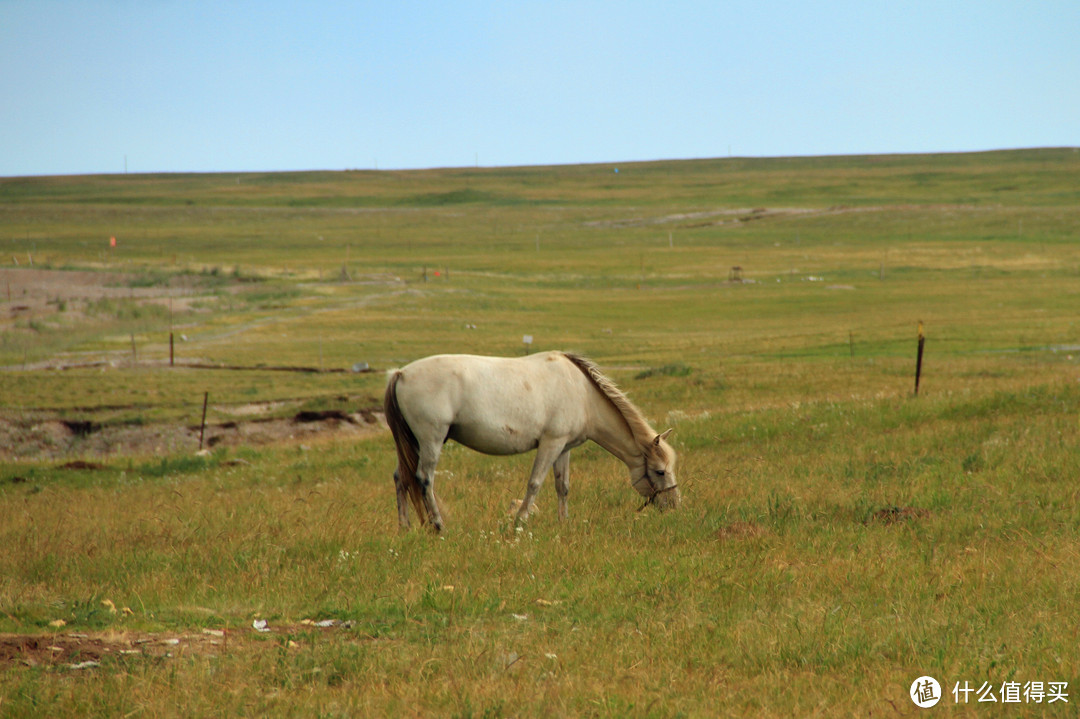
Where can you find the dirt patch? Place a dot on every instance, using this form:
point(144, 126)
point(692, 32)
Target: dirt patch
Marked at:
point(895, 515)
point(82, 465)
point(80, 428)
point(29, 290)
point(85, 652)
point(301, 426)
point(326, 415)
point(41, 435)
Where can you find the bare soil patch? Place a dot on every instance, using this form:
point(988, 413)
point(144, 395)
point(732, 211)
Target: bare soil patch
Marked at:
point(83, 465)
point(84, 651)
point(30, 291)
point(895, 515)
point(76, 651)
point(43, 435)
point(741, 530)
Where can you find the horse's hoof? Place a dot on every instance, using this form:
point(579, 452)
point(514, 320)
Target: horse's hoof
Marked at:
point(515, 510)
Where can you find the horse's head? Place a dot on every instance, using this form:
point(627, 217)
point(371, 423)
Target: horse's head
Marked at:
point(655, 480)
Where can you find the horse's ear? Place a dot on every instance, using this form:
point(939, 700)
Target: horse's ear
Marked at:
point(662, 435)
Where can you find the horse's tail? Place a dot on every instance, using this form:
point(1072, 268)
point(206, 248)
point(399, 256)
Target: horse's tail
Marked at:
point(408, 449)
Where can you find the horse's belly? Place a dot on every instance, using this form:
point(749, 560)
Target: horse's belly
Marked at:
point(491, 440)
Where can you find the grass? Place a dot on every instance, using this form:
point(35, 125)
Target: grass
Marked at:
point(839, 537)
point(809, 605)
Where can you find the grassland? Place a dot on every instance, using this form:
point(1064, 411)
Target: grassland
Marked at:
point(839, 537)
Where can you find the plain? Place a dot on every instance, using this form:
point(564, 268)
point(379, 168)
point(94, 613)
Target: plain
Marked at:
point(839, 536)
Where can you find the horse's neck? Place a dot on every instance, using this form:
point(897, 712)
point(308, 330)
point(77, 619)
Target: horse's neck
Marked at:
point(609, 430)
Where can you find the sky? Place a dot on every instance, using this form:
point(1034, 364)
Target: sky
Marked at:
point(108, 86)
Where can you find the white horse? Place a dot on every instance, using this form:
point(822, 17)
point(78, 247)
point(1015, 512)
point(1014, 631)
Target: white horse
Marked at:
point(550, 402)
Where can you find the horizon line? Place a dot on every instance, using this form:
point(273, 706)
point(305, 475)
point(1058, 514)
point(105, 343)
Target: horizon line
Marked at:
point(610, 163)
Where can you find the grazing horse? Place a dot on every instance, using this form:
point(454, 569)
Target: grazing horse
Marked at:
point(550, 402)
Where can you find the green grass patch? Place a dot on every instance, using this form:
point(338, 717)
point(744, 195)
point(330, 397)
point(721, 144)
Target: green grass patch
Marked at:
point(677, 369)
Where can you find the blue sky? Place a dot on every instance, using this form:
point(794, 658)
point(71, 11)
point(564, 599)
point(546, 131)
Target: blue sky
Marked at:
point(188, 85)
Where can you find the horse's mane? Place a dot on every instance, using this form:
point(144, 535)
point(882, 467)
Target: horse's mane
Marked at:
point(633, 417)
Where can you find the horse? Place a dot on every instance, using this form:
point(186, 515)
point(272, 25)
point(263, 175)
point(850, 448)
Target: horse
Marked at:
point(550, 402)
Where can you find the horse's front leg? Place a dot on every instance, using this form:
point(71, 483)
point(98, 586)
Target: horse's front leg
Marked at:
point(562, 483)
point(546, 454)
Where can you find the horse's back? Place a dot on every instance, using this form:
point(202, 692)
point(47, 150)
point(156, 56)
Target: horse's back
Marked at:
point(497, 405)
point(490, 371)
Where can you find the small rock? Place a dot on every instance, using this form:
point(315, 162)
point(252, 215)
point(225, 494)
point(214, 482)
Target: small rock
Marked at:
point(84, 665)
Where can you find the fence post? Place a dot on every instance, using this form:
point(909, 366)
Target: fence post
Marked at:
point(202, 428)
point(918, 358)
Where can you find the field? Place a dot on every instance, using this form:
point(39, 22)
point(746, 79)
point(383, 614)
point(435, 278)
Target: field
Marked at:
point(839, 535)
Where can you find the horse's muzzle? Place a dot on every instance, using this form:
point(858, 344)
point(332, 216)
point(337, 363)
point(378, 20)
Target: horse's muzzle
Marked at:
point(668, 498)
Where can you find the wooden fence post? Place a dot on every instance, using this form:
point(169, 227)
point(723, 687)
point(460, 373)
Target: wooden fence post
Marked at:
point(918, 358)
point(202, 428)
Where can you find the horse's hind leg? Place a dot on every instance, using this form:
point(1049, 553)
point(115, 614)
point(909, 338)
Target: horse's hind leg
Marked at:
point(425, 475)
point(402, 500)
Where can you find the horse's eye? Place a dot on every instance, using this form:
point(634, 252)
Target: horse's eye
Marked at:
point(660, 472)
